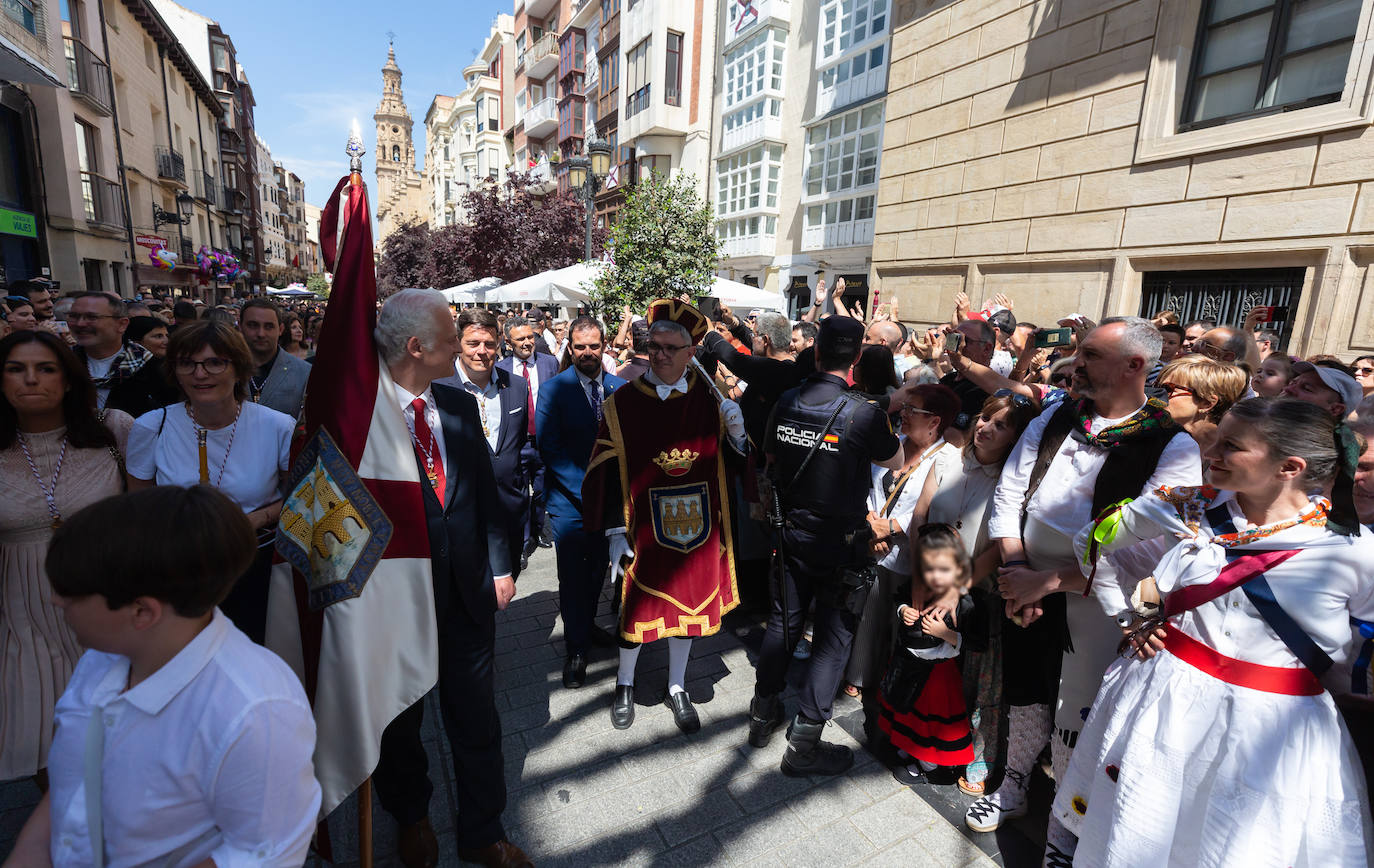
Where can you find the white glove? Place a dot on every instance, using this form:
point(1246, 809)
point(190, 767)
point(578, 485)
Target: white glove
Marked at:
point(734, 422)
point(620, 552)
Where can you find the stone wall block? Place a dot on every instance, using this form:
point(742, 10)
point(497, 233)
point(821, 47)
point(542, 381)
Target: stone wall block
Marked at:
point(1271, 166)
point(989, 239)
point(1116, 108)
point(1149, 184)
point(1067, 121)
point(1037, 199)
point(970, 144)
point(1095, 153)
point(1177, 223)
point(1017, 167)
point(1095, 231)
point(1290, 213)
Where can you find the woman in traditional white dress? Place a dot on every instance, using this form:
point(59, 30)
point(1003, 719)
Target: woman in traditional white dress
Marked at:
point(1215, 743)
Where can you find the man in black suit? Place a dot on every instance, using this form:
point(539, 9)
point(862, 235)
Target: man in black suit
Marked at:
point(503, 405)
point(536, 368)
point(472, 579)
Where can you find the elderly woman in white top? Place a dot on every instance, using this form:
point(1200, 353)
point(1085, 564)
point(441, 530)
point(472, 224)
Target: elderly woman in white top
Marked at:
point(1221, 746)
point(960, 498)
point(928, 411)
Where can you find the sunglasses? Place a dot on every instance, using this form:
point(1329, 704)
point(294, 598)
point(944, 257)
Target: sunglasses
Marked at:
point(1363, 371)
point(1175, 388)
point(1017, 399)
point(908, 410)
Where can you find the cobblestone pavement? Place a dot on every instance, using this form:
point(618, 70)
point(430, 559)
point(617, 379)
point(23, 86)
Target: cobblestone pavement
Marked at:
point(583, 793)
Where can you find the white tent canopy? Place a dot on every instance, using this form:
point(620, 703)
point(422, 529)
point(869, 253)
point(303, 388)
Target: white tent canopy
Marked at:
point(473, 292)
point(295, 290)
point(572, 284)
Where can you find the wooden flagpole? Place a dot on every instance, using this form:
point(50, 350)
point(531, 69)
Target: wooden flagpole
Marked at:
point(365, 824)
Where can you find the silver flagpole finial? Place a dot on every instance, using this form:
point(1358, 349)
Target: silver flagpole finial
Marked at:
point(355, 149)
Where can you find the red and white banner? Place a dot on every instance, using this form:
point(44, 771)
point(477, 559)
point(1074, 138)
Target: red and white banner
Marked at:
point(351, 606)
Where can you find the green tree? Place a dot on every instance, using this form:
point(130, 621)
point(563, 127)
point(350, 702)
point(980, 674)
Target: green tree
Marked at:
point(664, 244)
point(317, 284)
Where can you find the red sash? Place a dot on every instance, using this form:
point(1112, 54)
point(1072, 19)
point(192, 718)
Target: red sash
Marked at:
point(1232, 576)
point(1271, 679)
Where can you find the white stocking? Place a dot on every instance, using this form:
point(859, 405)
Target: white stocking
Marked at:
point(1028, 728)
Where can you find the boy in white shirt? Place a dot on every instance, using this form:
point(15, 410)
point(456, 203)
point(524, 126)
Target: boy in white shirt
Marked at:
point(178, 741)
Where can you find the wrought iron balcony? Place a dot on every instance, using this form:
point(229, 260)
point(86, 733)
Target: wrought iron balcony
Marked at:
point(103, 200)
point(88, 77)
point(209, 189)
point(170, 165)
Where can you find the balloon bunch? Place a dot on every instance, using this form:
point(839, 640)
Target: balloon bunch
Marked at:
point(221, 265)
point(163, 259)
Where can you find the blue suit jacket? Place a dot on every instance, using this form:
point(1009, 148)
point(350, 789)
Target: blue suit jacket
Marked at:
point(565, 428)
point(512, 488)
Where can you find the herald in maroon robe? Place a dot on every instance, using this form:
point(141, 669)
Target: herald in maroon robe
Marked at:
point(659, 468)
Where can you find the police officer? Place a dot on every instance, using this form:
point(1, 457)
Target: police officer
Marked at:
point(820, 443)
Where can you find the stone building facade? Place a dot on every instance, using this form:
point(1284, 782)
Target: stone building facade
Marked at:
point(1126, 156)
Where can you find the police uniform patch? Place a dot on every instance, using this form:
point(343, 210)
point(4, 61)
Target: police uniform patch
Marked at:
point(332, 529)
point(682, 516)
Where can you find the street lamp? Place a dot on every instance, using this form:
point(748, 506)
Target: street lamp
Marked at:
point(184, 205)
point(585, 174)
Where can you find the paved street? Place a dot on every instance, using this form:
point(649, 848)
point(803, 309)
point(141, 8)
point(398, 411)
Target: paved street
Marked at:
point(582, 793)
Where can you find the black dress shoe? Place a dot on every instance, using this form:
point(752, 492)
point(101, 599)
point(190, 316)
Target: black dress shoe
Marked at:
point(623, 708)
point(575, 670)
point(546, 538)
point(524, 562)
point(684, 715)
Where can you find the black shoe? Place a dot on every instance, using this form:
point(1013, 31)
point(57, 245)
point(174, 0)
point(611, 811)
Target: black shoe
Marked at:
point(524, 562)
point(530, 545)
point(546, 538)
point(684, 715)
point(575, 670)
point(908, 775)
point(603, 638)
point(623, 708)
point(765, 716)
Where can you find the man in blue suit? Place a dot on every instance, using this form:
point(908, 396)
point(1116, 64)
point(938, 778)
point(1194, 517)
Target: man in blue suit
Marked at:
point(535, 368)
point(503, 406)
point(566, 420)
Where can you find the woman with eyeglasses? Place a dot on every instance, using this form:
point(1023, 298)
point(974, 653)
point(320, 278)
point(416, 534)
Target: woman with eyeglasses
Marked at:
point(1363, 368)
point(960, 499)
point(1200, 391)
point(57, 455)
point(218, 438)
point(928, 412)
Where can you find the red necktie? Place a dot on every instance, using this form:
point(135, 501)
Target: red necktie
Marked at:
point(428, 449)
point(529, 394)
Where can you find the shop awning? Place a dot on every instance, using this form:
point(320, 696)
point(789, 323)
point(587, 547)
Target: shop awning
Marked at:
point(18, 66)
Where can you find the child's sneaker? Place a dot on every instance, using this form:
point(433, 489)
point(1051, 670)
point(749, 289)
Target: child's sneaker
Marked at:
point(991, 811)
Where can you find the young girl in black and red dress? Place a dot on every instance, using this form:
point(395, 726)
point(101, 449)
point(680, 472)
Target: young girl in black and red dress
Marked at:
point(922, 700)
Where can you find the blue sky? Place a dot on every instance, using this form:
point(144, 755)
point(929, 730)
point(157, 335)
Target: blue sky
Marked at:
point(316, 66)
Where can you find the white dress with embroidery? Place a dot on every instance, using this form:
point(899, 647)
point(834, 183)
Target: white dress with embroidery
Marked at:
point(1175, 767)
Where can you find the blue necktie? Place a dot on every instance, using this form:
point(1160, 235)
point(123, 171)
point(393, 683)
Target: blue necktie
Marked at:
point(594, 395)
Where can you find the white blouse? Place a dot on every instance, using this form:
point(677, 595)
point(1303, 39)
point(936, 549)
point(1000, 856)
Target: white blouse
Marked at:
point(939, 458)
point(1321, 587)
point(245, 462)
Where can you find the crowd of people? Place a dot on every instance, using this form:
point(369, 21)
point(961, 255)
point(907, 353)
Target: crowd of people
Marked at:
point(1132, 556)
